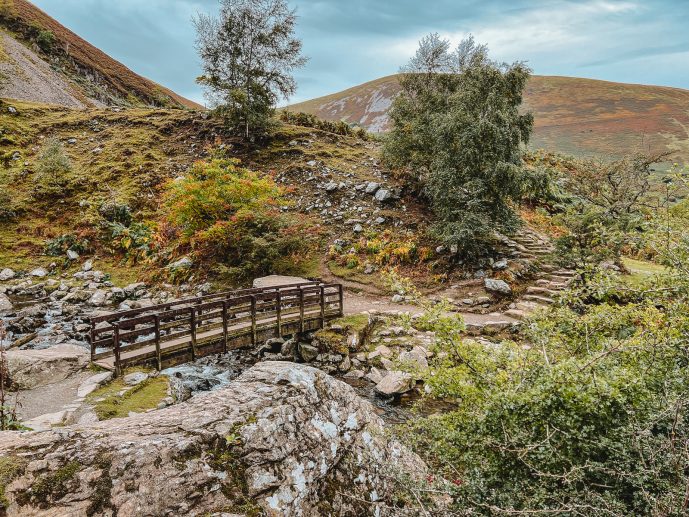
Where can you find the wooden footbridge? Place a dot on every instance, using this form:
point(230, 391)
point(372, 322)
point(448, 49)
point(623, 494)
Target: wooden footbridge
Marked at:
point(177, 332)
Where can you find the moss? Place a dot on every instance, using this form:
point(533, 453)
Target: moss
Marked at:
point(50, 487)
point(224, 457)
point(109, 403)
point(102, 486)
point(10, 468)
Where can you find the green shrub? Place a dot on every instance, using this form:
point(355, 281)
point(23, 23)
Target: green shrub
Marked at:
point(68, 242)
point(231, 216)
point(587, 415)
point(52, 170)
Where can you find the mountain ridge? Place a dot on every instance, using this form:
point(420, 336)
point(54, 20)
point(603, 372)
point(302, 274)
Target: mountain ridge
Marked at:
point(577, 116)
point(53, 54)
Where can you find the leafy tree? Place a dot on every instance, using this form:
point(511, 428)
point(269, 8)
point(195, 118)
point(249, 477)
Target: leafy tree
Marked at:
point(52, 169)
point(457, 126)
point(249, 53)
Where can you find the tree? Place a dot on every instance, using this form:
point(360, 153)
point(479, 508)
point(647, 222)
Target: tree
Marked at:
point(457, 125)
point(52, 170)
point(249, 53)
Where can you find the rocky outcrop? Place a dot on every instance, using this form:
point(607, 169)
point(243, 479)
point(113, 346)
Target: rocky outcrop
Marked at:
point(30, 369)
point(283, 439)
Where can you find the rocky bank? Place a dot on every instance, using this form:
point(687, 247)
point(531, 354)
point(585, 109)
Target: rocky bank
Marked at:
point(283, 438)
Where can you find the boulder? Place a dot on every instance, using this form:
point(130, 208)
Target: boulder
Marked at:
point(281, 440)
point(383, 195)
point(416, 356)
point(98, 298)
point(72, 255)
point(277, 280)
point(183, 263)
point(30, 369)
point(5, 304)
point(6, 274)
point(497, 286)
point(132, 379)
point(39, 272)
point(372, 187)
point(395, 383)
point(307, 352)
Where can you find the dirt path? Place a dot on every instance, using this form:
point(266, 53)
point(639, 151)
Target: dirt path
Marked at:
point(357, 303)
point(50, 398)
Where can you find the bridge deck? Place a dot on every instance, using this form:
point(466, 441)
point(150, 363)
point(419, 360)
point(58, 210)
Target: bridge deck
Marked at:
point(183, 331)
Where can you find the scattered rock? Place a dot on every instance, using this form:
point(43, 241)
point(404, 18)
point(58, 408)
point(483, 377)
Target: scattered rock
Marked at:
point(307, 352)
point(395, 383)
point(358, 228)
point(39, 272)
point(497, 286)
point(7, 274)
point(183, 263)
point(383, 195)
point(72, 255)
point(87, 266)
point(398, 298)
point(372, 187)
point(5, 304)
point(132, 379)
point(500, 265)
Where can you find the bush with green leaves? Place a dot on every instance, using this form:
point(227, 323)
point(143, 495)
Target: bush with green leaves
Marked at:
point(587, 413)
point(232, 217)
point(67, 242)
point(52, 170)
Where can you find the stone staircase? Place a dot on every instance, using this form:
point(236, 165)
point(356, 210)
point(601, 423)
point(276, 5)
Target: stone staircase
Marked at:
point(537, 250)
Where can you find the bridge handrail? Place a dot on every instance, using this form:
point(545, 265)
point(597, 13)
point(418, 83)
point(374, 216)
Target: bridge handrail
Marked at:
point(248, 304)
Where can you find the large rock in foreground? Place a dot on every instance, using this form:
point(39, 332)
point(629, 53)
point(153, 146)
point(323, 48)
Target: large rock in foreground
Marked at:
point(284, 439)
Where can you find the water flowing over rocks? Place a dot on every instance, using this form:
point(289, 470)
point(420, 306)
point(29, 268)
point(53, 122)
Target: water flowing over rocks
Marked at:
point(284, 439)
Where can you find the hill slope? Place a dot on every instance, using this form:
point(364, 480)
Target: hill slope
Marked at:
point(43, 61)
point(573, 116)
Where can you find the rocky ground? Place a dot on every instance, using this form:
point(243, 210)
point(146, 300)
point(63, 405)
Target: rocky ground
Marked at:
point(369, 363)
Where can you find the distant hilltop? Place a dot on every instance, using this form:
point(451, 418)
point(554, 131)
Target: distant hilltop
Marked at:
point(581, 117)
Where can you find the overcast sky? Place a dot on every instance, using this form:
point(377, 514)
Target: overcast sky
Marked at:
point(353, 41)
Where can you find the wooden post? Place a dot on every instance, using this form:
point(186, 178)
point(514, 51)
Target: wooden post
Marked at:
point(224, 325)
point(278, 313)
point(253, 320)
point(301, 310)
point(193, 334)
point(322, 306)
point(116, 343)
point(340, 291)
point(159, 359)
point(92, 339)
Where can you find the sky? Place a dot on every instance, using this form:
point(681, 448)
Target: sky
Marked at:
point(349, 42)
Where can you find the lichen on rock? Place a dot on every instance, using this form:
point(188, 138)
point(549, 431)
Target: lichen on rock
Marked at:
point(282, 439)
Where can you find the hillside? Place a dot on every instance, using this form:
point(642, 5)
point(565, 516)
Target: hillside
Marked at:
point(43, 61)
point(573, 116)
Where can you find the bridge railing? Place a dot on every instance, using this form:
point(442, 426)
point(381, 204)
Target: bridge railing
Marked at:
point(235, 315)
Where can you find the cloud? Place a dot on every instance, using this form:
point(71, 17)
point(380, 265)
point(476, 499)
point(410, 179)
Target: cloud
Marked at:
point(353, 41)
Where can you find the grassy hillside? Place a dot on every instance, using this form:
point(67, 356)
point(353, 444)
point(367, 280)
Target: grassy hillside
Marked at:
point(126, 157)
point(582, 117)
point(92, 72)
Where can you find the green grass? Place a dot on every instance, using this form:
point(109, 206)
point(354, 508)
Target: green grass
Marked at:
point(108, 403)
point(641, 270)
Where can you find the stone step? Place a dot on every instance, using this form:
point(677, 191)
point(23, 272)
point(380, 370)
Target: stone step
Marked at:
point(541, 291)
point(527, 306)
point(517, 314)
point(560, 279)
point(543, 300)
point(565, 272)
